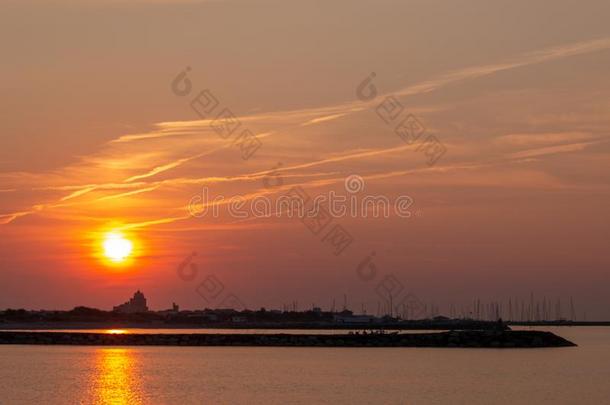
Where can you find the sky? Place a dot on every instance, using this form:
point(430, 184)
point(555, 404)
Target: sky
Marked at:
point(99, 133)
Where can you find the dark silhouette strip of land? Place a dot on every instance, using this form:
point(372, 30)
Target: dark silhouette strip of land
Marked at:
point(92, 318)
point(464, 339)
point(423, 324)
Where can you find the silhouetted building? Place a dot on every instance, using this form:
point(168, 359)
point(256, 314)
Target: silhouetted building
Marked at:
point(134, 305)
point(175, 310)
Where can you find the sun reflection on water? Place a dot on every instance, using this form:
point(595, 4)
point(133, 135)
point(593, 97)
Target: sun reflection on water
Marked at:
point(115, 331)
point(116, 377)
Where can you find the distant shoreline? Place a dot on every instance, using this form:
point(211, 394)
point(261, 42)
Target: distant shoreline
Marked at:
point(457, 339)
point(413, 325)
point(559, 323)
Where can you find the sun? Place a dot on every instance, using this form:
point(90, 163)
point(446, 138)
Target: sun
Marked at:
point(116, 247)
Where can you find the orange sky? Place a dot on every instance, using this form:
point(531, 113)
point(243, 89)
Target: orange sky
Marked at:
point(93, 139)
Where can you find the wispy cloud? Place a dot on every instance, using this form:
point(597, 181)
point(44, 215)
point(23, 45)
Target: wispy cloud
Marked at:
point(541, 56)
point(551, 150)
point(119, 168)
point(540, 139)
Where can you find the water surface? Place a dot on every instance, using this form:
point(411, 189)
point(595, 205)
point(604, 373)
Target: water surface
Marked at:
point(279, 375)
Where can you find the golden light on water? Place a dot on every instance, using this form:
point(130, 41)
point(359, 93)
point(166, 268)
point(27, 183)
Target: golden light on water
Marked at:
point(116, 331)
point(116, 378)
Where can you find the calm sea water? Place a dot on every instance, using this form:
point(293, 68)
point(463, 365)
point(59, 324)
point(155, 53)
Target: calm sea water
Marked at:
point(241, 375)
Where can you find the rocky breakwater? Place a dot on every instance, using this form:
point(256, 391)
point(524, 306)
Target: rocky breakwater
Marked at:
point(489, 339)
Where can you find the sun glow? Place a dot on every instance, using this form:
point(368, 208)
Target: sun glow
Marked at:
point(116, 247)
point(115, 331)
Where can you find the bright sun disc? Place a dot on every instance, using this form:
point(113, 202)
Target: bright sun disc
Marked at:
point(116, 247)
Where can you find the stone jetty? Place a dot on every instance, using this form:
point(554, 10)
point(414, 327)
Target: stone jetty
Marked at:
point(467, 338)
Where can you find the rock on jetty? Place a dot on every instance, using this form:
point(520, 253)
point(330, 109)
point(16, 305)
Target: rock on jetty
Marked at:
point(470, 338)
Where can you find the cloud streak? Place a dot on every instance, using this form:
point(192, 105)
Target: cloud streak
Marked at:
point(281, 122)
